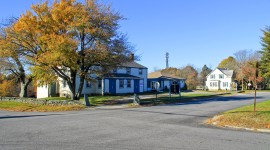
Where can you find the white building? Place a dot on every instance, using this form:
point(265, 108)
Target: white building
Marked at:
point(220, 79)
point(129, 77)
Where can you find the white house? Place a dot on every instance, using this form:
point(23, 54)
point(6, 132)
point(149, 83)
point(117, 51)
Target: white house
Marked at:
point(129, 77)
point(220, 79)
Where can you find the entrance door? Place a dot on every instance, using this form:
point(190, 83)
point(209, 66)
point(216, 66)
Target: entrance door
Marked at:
point(136, 86)
point(112, 86)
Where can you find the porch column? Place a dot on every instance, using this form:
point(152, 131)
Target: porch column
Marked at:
point(179, 84)
point(102, 86)
point(170, 88)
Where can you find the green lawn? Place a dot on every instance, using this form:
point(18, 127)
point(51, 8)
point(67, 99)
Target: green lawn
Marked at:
point(245, 117)
point(174, 98)
point(163, 98)
point(104, 100)
point(22, 107)
point(55, 98)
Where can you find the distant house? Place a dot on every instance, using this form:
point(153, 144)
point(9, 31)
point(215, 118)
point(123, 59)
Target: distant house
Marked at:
point(166, 81)
point(129, 77)
point(220, 79)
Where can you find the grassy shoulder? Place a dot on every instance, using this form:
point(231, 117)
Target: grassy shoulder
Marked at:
point(163, 98)
point(175, 98)
point(24, 107)
point(244, 117)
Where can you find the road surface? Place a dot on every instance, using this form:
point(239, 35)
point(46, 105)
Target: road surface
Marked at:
point(177, 126)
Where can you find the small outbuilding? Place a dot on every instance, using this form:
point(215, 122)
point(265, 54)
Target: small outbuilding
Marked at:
point(166, 81)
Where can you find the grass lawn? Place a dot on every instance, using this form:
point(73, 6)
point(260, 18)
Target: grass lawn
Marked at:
point(54, 98)
point(185, 96)
point(24, 107)
point(245, 117)
point(105, 100)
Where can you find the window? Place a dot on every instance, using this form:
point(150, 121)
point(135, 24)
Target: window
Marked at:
point(64, 83)
point(128, 83)
point(128, 70)
point(121, 83)
point(213, 84)
point(88, 84)
point(115, 70)
point(212, 76)
point(225, 84)
point(148, 84)
point(140, 71)
point(221, 76)
point(99, 84)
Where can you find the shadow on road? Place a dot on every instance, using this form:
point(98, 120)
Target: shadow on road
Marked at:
point(157, 112)
point(27, 116)
point(213, 99)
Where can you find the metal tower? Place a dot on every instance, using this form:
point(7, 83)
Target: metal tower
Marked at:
point(167, 60)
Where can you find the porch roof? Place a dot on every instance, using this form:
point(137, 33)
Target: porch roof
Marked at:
point(120, 75)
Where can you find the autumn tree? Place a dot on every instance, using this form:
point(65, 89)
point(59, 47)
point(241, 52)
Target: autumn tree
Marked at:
point(69, 39)
point(191, 75)
point(228, 63)
point(205, 71)
point(246, 60)
point(13, 60)
point(8, 85)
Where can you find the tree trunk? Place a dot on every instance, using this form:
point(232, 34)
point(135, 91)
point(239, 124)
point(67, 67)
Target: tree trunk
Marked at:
point(79, 92)
point(23, 92)
point(72, 84)
point(24, 86)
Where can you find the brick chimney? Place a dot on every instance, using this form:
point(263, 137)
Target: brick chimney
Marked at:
point(131, 57)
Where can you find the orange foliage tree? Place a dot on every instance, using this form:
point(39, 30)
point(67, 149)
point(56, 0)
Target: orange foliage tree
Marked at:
point(69, 39)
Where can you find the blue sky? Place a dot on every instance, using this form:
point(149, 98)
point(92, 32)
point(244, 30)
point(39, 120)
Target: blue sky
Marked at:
point(195, 32)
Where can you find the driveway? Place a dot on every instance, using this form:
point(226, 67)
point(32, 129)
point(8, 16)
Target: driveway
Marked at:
point(178, 126)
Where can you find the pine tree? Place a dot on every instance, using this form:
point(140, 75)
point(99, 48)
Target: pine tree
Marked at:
point(265, 59)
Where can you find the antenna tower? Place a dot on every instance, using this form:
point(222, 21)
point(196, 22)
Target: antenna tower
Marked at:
point(167, 60)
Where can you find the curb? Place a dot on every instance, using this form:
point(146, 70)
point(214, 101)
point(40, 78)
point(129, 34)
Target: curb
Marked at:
point(215, 123)
point(249, 129)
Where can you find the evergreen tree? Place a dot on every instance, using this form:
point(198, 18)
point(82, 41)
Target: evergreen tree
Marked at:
point(265, 59)
point(205, 71)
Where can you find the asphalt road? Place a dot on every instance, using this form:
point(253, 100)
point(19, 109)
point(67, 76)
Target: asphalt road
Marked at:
point(178, 126)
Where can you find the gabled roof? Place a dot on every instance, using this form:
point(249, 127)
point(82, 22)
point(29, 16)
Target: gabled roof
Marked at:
point(228, 73)
point(159, 74)
point(133, 64)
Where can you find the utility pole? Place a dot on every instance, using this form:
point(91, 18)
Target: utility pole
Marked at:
point(167, 60)
point(255, 83)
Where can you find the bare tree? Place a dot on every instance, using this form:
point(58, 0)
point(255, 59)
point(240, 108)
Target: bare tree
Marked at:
point(245, 61)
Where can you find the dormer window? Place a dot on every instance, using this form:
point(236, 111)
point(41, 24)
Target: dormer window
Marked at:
point(128, 70)
point(140, 71)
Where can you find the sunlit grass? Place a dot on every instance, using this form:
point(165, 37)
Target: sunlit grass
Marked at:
point(104, 100)
point(55, 98)
point(246, 117)
point(24, 107)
